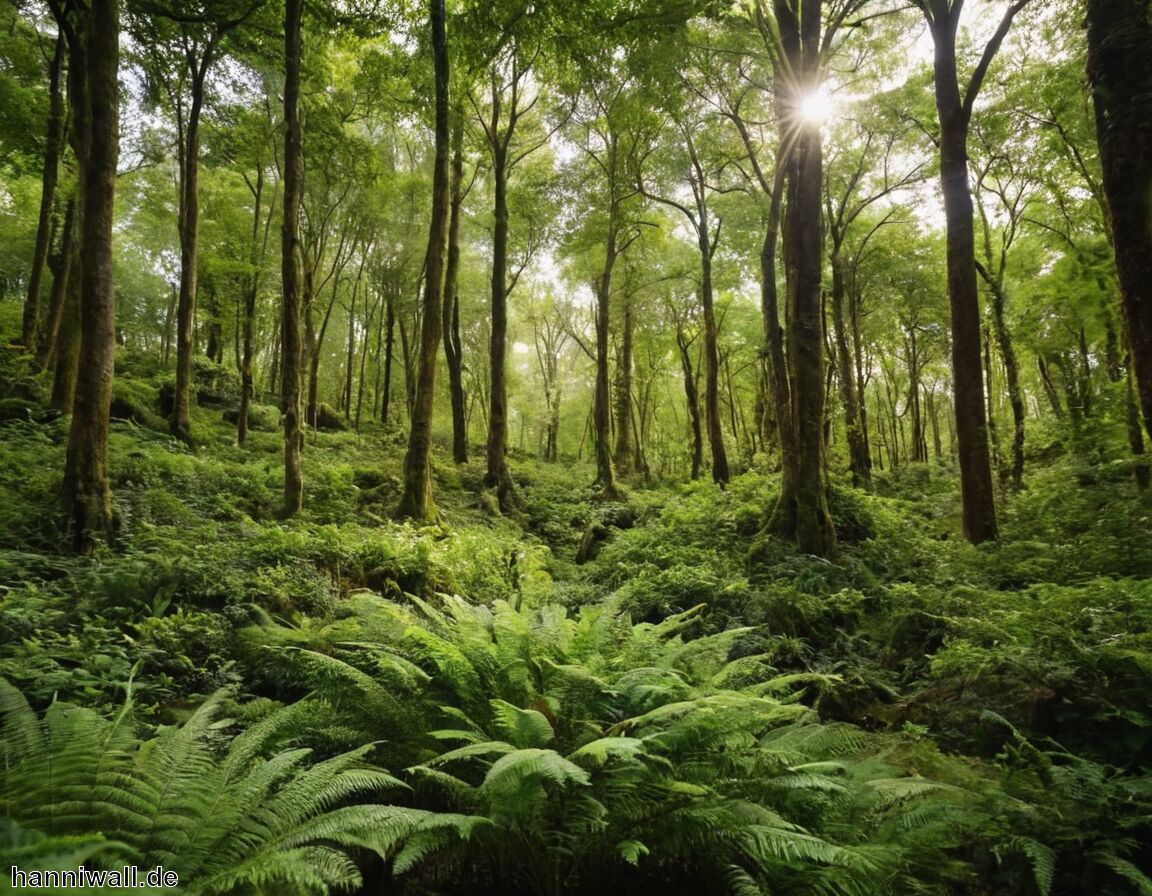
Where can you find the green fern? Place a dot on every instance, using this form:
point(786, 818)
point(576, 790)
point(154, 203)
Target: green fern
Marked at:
point(273, 825)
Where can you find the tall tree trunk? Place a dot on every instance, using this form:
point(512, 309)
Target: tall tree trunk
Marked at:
point(248, 319)
point(622, 456)
point(453, 347)
point(389, 341)
point(720, 473)
point(498, 476)
point(1120, 71)
point(777, 366)
point(291, 349)
point(1011, 379)
point(601, 409)
point(62, 264)
point(955, 114)
point(693, 400)
point(214, 344)
point(94, 54)
point(181, 422)
point(52, 146)
point(65, 359)
point(802, 510)
point(416, 501)
point(859, 463)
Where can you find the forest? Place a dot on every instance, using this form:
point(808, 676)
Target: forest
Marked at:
point(539, 448)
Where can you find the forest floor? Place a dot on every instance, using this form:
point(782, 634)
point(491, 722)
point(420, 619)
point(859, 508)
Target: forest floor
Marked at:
point(1014, 677)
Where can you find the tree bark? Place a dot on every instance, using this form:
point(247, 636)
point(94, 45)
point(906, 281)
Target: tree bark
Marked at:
point(601, 413)
point(955, 113)
point(453, 347)
point(94, 53)
point(416, 501)
point(802, 509)
point(859, 461)
point(290, 346)
point(61, 263)
point(52, 146)
point(181, 422)
point(498, 476)
point(692, 398)
point(1120, 71)
point(622, 458)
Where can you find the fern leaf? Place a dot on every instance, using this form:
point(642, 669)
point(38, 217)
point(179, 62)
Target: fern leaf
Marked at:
point(1040, 857)
point(521, 727)
point(513, 771)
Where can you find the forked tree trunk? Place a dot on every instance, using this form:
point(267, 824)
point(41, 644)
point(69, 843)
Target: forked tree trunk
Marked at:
point(955, 114)
point(453, 347)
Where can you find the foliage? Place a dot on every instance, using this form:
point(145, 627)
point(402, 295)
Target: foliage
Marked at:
point(222, 821)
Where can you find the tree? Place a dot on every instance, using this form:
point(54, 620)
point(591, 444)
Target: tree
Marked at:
point(290, 345)
point(193, 38)
point(93, 36)
point(509, 101)
point(416, 501)
point(954, 110)
point(53, 144)
point(1120, 70)
point(700, 218)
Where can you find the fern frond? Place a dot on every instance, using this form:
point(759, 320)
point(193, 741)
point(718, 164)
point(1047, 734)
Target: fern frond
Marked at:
point(472, 751)
point(1126, 870)
point(521, 727)
point(1040, 857)
point(741, 883)
point(511, 772)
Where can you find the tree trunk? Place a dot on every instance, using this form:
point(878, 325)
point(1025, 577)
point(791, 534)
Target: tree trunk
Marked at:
point(52, 146)
point(1011, 379)
point(291, 353)
point(389, 341)
point(622, 457)
point(62, 264)
point(248, 323)
point(859, 463)
point(955, 113)
point(65, 359)
point(1120, 71)
point(498, 476)
point(94, 53)
point(416, 501)
point(692, 399)
point(181, 422)
point(601, 414)
point(802, 511)
point(453, 347)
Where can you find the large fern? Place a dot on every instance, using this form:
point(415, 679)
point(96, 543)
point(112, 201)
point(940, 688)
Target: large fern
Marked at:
point(222, 821)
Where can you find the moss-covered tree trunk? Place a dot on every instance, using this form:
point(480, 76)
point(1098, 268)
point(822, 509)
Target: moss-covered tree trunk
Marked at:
point(93, 37)
point(290, 345)
point(801, 512)
point(416, 501)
